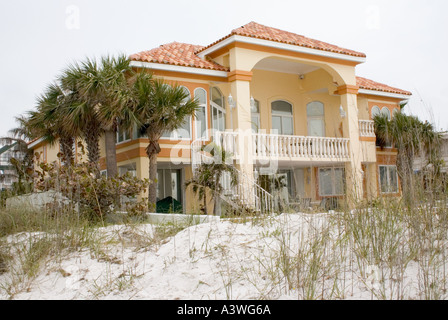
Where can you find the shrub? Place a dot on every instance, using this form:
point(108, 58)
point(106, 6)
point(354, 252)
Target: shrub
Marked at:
point(94, 194)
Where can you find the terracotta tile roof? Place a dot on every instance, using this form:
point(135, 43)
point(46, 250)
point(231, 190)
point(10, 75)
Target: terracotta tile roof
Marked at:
point(255, 30)
point(367, 84)
point(178, 54)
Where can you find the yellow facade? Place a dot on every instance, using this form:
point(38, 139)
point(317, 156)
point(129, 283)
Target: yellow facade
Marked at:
point(268, 74)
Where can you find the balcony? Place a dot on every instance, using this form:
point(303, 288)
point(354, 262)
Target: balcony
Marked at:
point(303, 149)
point(267, 147)
point(366, 129)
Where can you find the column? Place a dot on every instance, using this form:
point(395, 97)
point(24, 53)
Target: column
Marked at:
point(353, 169)
point(240, 91)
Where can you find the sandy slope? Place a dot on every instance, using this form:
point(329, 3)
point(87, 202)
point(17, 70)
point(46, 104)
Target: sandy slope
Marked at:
point(214, 260)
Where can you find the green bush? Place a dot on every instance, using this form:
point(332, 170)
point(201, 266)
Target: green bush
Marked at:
point(95, 194)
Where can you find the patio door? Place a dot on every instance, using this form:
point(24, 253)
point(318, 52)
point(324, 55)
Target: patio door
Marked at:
point(282, 117)
point(315, 119)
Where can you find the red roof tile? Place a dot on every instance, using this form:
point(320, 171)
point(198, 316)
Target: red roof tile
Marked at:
point(255, 30)
point(179, 54)
point(367, 84)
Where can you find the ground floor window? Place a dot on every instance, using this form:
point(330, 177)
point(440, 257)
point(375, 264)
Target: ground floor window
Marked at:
point(388, 179)
point(127, 169)
point(169, 191)
point(331, 182)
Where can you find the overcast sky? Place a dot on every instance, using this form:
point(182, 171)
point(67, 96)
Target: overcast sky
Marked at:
point(406, 41)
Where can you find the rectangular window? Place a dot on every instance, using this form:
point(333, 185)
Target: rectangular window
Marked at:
point(169, 184)
point(388, 179)
point(201, 122)
point(331, 181)
point(184, 131)
point(128, 169)
point(123, 135)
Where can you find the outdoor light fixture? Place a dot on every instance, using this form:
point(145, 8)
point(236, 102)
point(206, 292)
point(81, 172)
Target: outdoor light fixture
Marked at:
point(252, 103)
point(342, 112)
point(231, 101)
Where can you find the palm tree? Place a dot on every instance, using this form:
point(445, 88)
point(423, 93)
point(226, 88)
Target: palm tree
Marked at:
point(48, 120)
point(159, 107)
point(102, 88)
point(111, 93)
point(80, 116)
point(410, 136)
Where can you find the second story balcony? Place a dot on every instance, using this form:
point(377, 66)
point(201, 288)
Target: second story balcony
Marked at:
point(266, 146)
point(366, 128)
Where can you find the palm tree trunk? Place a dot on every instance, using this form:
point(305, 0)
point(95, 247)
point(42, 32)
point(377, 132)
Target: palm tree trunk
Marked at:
point(92, 136)
point(152, 150)
point(67, 150)
point(217, 196)
point(111, 154)
point(205, 201)
point(152, 190)
point(217, 205)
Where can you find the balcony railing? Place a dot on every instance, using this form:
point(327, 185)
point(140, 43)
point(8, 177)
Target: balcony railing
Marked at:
point(366, 128)
point(284, 146)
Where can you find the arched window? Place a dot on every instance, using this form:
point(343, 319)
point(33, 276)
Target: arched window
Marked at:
point(385, 111)
point(315, 119)
point(217, 97)
point(184, 132)
point(218, 109)
point(375, 111)
point(201, 114)
point(282, 120)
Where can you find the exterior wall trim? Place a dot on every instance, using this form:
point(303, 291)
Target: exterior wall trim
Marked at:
point(182, 69)
point(239, 75)
point(344, 89)
point(284, 46)
point(384, 94)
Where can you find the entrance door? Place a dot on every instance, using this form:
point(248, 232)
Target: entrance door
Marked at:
point(315, 119)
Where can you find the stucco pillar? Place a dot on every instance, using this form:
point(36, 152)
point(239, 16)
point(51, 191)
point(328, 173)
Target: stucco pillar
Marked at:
point(353, 169)
point(240, 91)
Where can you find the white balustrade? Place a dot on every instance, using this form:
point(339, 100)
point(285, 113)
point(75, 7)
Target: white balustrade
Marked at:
point(366, 128)
point(283, 146)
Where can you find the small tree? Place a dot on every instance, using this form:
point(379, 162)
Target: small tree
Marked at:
point(209, 174)
point(411, 137)
point(159, 107)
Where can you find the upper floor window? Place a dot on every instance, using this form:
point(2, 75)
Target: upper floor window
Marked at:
point(282, 119)
point(315, 119)
point(385, 111)
point(123, 135)
point(201, 114)
point(184, 131)
point(375, 111)
point(218, 110)
point(217, 97)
